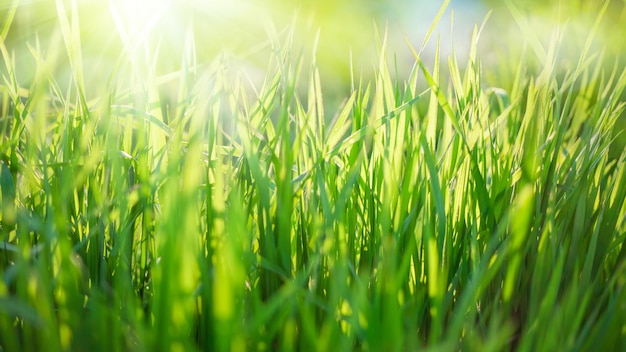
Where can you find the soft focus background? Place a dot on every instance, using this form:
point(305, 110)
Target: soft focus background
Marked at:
point(243, 29)
point(242, 33)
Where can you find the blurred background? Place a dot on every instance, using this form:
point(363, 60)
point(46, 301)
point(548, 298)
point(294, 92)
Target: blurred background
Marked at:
point(243, 33)
point(242, 29)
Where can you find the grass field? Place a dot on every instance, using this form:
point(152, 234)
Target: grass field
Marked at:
point(431, 211)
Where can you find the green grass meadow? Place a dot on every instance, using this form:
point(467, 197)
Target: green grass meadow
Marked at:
point(460, 206)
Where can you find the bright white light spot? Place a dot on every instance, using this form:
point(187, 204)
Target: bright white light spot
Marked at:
point(135, 19)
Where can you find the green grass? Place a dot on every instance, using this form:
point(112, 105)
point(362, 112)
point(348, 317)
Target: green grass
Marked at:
point(429, 212)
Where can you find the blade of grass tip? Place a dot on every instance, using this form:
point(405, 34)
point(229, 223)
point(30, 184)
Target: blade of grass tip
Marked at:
point(443, 102)
point(453, 63)
point(433, 109)
point(381, 102)
point(352, 87)
point(436, 191)
point(359, 134)
point(473, 73)
point(8, 19)
point(590, 37)
point(483, 24)
point(315, 109)
point(71, 37)
point(11, 82)
point(340, 124)
point(434, 24)
point(44, 65)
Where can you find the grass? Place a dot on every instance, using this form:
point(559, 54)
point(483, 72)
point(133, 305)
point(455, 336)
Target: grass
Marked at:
point(432, 212)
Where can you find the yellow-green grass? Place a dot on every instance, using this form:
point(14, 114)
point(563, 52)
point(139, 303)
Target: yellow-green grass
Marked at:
point(428, 212)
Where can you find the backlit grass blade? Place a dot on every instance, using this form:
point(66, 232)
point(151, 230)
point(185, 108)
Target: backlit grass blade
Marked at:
point(190, 208)
point(8, 20)
point(434, 23)
point(443, 101)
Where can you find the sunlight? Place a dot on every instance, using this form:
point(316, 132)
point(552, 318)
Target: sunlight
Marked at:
point(135, 19)
point(166, 22)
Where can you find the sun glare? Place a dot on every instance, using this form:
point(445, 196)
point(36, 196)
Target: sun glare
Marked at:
point(135, 19)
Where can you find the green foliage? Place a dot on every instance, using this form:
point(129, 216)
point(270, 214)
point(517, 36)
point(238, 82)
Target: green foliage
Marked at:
point(427, 213)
